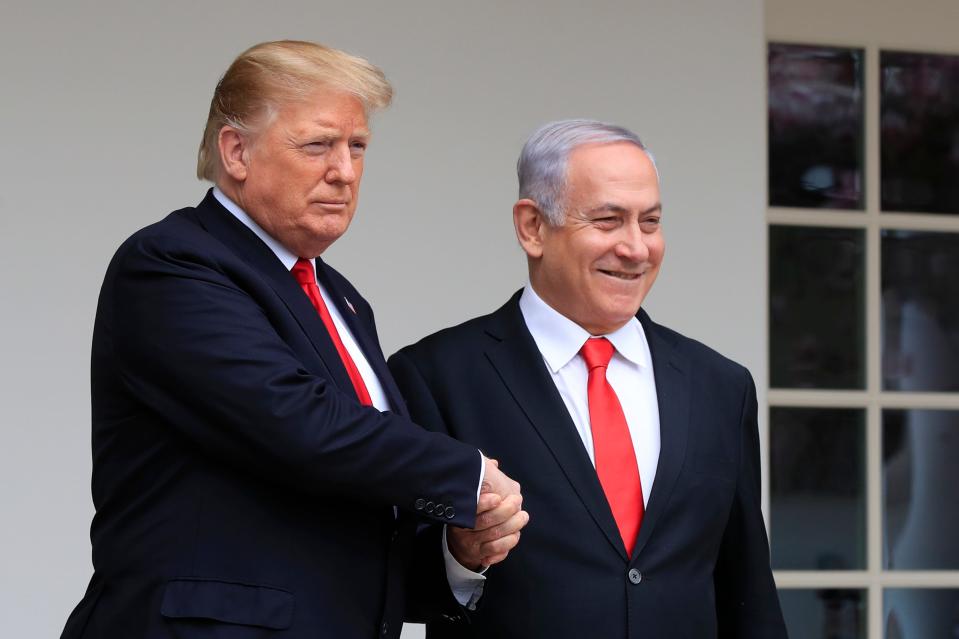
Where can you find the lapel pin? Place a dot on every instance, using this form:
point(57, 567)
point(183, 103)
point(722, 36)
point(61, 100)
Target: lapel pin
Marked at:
point(350, 305)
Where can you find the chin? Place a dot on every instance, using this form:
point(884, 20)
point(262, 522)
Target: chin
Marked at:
point(326, 234)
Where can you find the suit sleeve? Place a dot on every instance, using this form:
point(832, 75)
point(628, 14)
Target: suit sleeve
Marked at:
point(416, 391)
point(746, 600)
point(429, 594)
point(195, 348)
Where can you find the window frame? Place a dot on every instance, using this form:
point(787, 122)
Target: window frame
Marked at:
point(873, 399)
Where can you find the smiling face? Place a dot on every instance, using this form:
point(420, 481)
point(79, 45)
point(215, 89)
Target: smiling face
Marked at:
point(597, 267)
point(299, 178)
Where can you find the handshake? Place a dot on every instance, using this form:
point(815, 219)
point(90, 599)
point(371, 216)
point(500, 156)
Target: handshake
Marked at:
point(499, 519)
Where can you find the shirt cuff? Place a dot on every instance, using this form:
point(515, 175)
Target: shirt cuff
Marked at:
point(479, 487)
point(467, 586)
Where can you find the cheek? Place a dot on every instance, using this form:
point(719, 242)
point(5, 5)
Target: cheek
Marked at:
point(658, 251)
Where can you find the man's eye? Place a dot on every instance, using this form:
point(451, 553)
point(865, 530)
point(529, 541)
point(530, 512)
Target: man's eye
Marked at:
point(651, 225)
point(358, 148)
point(316, 147)
point(606, 221)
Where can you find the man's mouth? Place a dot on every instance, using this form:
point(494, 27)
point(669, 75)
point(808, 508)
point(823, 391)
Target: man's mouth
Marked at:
point(332, 204)
point(621, 275)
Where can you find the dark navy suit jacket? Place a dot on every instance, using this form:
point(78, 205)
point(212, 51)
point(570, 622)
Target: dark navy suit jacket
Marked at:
point(700, 566)
point(241, 490)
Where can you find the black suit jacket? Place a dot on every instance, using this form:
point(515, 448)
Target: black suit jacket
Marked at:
point(700, 567)
point(241, 490)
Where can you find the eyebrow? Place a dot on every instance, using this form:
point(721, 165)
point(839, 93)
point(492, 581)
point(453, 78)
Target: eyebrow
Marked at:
point(333, 132)
point(612, 207)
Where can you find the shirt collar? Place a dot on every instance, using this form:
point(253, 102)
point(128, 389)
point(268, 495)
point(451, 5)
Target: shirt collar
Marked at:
point(281, 252)
point(559, 338)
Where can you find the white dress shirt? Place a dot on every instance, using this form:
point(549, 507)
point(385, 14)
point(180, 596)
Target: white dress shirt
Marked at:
point(630, 373)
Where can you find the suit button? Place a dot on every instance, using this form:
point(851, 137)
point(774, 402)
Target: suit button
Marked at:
point(429, 507)
point(419, 504)
point(385, 629)
point(450, 513)
point(634, 576)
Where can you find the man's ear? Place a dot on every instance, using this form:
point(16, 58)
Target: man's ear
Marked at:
point(234, 152)
point(530, 224)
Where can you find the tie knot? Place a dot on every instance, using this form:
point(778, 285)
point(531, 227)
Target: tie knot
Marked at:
point(303, 272)
point(597, 352)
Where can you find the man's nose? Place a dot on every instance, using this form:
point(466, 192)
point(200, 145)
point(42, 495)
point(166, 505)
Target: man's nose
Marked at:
point(632, 245)
point(340, 168)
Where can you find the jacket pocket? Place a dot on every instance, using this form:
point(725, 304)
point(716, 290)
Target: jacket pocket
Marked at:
point(228, 602)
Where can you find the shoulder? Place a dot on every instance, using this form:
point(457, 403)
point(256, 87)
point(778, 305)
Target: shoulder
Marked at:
point(703, 359)
point(180, 229)
point(471, 336)
point(177, 233)
point(179, 245)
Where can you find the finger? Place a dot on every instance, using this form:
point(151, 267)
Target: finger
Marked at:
point(487, 502)
point(500, 514)
point(494, 559)
point(500, 546)
point(506, 509)
point(510, 527)
point(496, 481)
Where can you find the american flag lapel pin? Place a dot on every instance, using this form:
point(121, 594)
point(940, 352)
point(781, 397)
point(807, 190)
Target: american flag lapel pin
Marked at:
point(348, 303)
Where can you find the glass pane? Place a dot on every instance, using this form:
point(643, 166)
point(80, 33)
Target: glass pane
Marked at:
point(920, 311)
point(921, 614)
point(920, 489)
point(920, 132)
point(817, 307)
point(824, 614)
point(815, 126)
point(817, 488)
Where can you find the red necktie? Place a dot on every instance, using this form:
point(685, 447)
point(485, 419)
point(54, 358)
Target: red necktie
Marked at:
point(612, 445)
point(303, 272)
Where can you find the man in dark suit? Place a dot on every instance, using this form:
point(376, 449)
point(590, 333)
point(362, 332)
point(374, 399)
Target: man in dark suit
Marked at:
point(255, 473)
point(637, 448)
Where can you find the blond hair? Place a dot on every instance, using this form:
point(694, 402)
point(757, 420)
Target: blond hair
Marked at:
point(269, 74)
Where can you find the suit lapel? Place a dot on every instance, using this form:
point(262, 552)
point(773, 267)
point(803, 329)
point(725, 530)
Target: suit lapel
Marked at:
point(224, 226)
point(364, 337)
point(517, 360)
point(670, 371)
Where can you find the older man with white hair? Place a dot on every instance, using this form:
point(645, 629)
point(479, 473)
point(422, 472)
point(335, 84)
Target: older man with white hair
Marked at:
point(637, 448)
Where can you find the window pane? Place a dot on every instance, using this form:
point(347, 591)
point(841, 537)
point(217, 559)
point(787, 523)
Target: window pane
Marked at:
point(921, 614)
point(824, 614)
point(921, 499)
point(817, 307)
point(817, 488)
point(919, 132)
point(815, 126)
point(920, 311)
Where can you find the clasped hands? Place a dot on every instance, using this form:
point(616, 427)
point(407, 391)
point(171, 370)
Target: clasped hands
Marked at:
point(499, 519)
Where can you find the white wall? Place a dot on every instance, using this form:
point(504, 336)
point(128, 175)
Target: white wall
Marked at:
point(910, 25)
point(102, 109)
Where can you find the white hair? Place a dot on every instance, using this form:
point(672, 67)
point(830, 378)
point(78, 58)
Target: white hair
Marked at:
point(542, 165)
